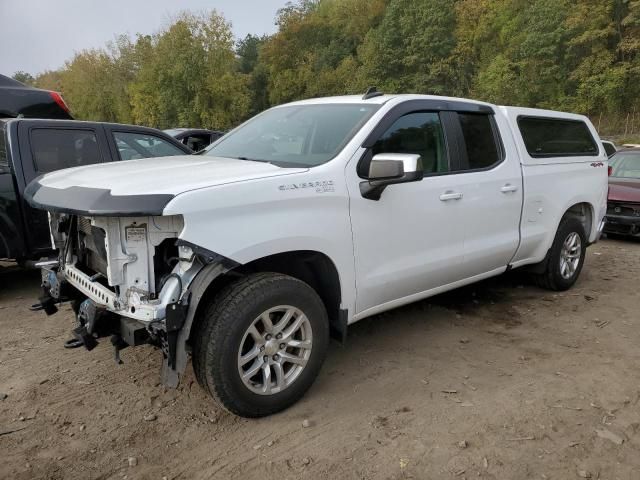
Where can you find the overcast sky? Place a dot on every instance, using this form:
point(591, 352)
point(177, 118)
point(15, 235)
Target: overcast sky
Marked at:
point(37, 35)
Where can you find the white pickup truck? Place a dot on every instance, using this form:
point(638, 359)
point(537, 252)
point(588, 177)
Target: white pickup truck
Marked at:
point(312, 216)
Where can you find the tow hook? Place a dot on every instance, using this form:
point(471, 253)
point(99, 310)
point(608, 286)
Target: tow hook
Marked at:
point(50, 293)
point(87, 317)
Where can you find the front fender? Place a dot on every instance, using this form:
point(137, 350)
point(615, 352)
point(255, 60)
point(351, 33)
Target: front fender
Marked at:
point(247, 221)
point(195, 292)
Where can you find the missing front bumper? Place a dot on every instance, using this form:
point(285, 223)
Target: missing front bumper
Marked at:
point(622, 225)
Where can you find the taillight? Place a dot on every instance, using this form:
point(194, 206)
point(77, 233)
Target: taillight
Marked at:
point(610, 170)
point(58, 99)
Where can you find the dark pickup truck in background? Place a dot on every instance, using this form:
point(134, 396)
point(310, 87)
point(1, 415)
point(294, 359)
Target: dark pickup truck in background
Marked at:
point(32, 147)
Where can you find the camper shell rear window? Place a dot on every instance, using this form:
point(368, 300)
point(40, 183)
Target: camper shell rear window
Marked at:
point(557, 137)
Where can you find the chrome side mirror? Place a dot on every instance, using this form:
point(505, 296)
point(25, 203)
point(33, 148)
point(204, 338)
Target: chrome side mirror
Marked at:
point(389, 169)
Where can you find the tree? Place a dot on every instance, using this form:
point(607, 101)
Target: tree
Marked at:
point(526, 59)
point(410, 50)
point(24, 77)
point(248, 52)
point(315, 51)
point(50, 80)
point(189, 76)
point(560, 54)
point(90, 86)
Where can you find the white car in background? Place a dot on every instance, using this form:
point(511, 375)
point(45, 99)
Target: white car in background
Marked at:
point(311, 216)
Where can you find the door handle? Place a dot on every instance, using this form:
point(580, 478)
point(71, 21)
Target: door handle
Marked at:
point(449, 195)
point(509, 188)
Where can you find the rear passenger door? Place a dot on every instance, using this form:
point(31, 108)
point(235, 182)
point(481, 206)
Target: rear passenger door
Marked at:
point(490, 181)
point(46, 148)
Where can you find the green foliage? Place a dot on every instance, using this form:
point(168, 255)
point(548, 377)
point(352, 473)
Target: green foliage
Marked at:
point(523, 59)
point(24, 77)
point(184, 75)
point(189, 76)
point(50, 80)
point(94, 83)
point(315, 50)
point(423, 31)
point(248, 53)
point(561, 54)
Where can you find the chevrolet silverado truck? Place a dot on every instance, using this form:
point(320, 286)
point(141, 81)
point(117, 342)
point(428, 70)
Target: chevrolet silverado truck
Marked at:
point(32, 147)
point(309, 217)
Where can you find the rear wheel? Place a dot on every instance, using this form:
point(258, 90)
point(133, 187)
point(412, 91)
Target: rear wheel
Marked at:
point(260, 344)
point(566, 257)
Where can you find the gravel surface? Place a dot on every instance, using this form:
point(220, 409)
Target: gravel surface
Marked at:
point(500, 380)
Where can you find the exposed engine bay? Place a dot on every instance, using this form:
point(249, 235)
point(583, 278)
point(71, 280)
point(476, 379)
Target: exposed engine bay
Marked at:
point(127, 277)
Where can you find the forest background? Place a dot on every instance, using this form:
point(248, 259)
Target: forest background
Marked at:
point(581, 56)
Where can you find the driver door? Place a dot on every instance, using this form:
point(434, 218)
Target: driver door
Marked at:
point(412, 239)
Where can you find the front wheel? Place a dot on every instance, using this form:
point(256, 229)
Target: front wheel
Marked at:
point(566, 257)
point(260, 344)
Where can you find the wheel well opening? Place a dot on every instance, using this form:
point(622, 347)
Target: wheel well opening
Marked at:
point(584, 213)
point(313, 268)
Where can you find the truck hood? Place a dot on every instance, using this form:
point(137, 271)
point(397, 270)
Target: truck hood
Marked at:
point(140, 187)
point(624, 190)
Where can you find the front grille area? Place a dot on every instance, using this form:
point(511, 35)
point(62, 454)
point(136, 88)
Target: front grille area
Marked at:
point(84, 225)
point(91, 246)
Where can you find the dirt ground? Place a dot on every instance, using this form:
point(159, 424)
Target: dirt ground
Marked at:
point(501, 380)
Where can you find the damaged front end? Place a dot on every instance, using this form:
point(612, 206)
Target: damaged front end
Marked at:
point(130, 278)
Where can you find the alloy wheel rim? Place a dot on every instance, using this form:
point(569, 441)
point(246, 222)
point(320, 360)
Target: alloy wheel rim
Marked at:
point(570, 255)
point(275, 350)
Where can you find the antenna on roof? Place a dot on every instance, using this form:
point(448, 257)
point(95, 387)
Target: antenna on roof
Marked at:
point(371, 92)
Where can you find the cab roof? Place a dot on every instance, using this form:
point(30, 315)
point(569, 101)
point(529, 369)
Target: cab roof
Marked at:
point(380, 99)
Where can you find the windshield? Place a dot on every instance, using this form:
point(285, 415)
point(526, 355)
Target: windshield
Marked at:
point(625, 165)
point(295, 136)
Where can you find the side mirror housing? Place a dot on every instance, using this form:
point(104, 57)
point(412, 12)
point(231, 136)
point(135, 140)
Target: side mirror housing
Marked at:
point(389, 169)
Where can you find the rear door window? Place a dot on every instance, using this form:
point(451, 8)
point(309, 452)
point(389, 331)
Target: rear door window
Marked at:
point(480, 140)
point(133, 145)
point(56, 148)
point(553, 137)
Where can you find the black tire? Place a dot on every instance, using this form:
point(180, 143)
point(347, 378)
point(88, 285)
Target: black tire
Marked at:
point(551, 278)
point(222, 327)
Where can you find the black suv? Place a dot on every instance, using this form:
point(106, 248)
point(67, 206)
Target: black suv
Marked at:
point(30, 148)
